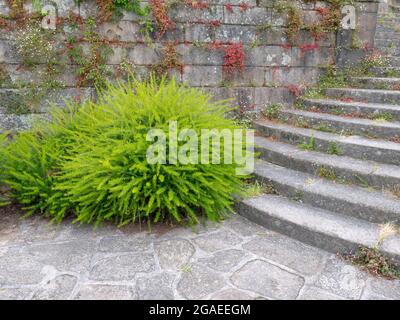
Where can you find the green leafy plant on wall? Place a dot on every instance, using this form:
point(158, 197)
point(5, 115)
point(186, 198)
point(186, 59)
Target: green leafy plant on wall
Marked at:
point(34, 45)
point(92, 68)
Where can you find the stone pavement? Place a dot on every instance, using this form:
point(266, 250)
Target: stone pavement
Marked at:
point(233, 260)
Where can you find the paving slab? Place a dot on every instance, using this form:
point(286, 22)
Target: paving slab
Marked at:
point(233, 260)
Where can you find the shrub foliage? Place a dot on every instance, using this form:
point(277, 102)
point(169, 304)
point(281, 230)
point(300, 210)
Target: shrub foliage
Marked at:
point(90, 160)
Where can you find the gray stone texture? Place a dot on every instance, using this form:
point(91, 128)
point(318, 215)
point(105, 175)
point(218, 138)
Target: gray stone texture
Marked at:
point(71, 262)
point(174, 254)
point(342, 279)
point(271, 66)
point(59, 288)
point(271, 281)
point(198, 281)
point(105, 292)
point(122, 267)
point(219, 240)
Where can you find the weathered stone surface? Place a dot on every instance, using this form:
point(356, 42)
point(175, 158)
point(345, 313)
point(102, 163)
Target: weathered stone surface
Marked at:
point(198, 282)
point(342, 279)
point(9, 230)
point(355, 146)
point(251, 16)
point(105, 292)
point(245, 227)
point(387, 288)
point(231, 294)
point(260, 27)
point(314, 293)
point(373, 296)
point(125, 244)
point(219, 240)
point(59, 288)
point(268, 280)
point(87, 232)
point(66, 256)
point(157, 287)
point(224, 260)
point(15, 293)
point(75, 263)
point(122, 267)
point(174, 254)
point(291, 253)
point(35, 229)
point(19, 268)
point(202, 76)
point(17, 122)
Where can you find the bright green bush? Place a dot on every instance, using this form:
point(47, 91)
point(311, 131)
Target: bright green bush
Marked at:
point(91, 159)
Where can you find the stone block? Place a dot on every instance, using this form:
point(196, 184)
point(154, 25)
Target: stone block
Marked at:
point(268, 280)
point(202, 76)
point(250, 16)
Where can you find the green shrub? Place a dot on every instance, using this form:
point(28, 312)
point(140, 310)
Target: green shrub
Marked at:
point(91, 159)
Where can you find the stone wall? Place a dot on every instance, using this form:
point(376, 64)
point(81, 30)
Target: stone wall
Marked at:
point(275, 68)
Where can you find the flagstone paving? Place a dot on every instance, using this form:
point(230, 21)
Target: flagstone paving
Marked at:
point(233, 260)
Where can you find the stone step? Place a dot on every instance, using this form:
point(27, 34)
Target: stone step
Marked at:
point(395, 8)
point(354, 201)
point(361, 109)
point(395, 61)
point(353, 146)
point(333, 123)
point(386, 72)
point(376, 83)
point(365, 95)
point(336, 168)
point(324, 229)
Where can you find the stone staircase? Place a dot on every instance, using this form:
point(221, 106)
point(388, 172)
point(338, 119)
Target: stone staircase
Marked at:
point(394, 6)
point(333, 166)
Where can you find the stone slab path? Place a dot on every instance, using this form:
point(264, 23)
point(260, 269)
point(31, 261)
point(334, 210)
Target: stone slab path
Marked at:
point(233, 260)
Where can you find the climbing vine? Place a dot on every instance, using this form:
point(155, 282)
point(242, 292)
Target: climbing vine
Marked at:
point(78, 43)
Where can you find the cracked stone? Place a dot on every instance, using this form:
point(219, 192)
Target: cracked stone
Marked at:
point(105, 292)
point(224, 260)
point(174, 254)
point(59, 288)
point(342, 279)
point(158, 287)
point(219, 240)
point(199, 282)
point(123, 267)
point(268, 280)
point(291, 253)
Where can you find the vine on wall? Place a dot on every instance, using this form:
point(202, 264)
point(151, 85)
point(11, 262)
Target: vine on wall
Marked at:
point(88, 51)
